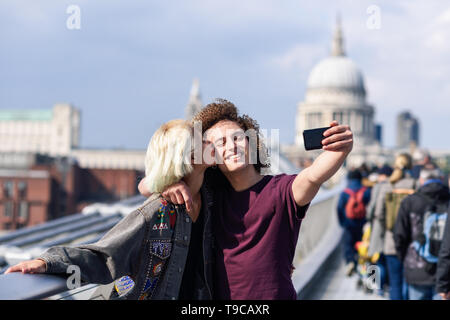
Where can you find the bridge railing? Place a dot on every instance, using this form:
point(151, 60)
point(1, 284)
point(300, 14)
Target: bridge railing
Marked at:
point(320, 235)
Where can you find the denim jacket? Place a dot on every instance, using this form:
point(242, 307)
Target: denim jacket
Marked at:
point(149, 246)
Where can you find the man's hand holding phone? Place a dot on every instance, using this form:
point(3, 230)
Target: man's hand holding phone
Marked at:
point(333, 138)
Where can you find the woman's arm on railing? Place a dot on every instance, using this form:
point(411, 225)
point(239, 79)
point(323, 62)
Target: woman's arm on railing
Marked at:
point(111, 257)
point(30, 266)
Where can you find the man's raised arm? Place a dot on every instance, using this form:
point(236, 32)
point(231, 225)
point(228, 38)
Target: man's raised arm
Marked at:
point(337, 144)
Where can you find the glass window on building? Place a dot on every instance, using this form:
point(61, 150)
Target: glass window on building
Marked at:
point(314, 120)
point(9, 207)
point(8, 189)
point(23, 210)
point(22, 188)
point(364, 123)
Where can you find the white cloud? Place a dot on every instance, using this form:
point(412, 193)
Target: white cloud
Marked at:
point(437, 35)
point(302, 57)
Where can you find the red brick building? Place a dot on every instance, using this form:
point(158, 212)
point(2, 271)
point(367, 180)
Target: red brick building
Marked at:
point(105, 185)
point(25, 197)
point(38, 188)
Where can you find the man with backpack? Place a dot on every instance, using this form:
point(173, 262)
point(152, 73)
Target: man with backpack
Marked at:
point(352, 216)
point(418, 233)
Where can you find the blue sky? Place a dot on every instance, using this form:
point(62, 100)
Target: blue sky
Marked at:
point(130, 66)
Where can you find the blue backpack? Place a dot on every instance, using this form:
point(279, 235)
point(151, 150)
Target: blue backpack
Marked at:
point(429, 242)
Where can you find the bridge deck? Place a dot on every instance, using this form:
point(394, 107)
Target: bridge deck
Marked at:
point(335, 285)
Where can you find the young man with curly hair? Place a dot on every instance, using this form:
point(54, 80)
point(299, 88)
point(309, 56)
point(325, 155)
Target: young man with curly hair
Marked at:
point(256, 217)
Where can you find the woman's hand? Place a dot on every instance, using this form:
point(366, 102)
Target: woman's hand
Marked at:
point(179, 193)
point(30, 266)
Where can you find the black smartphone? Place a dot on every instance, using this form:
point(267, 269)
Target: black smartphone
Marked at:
point(313, 138)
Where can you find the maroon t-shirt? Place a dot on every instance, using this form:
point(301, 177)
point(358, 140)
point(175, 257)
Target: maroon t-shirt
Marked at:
point(256, 232)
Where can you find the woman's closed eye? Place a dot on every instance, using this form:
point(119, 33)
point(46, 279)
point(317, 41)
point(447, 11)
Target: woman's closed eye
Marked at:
point(219, 142)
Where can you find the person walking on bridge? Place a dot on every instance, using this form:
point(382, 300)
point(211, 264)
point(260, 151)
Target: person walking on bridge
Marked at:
point(352, 216)
point(419, 232)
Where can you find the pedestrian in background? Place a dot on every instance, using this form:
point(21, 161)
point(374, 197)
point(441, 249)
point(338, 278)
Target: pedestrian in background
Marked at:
point(400, 185)
point(419, 231)
point(375, 218)
point(422, 159)
point(352, 216)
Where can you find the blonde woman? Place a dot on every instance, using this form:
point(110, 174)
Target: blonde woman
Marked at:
point(159, 251)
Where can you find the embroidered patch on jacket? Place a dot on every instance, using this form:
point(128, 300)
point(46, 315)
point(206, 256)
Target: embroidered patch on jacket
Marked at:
point(148, 288)
point(162, 209)
point(165, 210)
point(157, 268)
point(143, 296)
point(172, 218)
point(123, 285)
point(150, 284)
point(161, 213)
point(160, 226)
point(160, 248)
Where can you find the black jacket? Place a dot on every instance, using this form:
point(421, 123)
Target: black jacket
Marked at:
point(443, 266)
point(408, 227)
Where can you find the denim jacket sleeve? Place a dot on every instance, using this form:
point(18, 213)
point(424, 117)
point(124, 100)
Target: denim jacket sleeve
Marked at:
point(116, 254)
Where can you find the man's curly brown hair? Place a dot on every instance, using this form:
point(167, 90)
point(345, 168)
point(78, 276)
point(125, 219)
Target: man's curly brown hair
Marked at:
point(222, 109)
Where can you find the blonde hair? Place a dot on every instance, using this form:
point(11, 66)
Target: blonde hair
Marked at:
point(402, 162)
point(168, 157)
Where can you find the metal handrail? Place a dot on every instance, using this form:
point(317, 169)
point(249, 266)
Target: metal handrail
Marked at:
point(81, 233)
point(18, 286)
point(326, 194)
point(60, 230)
